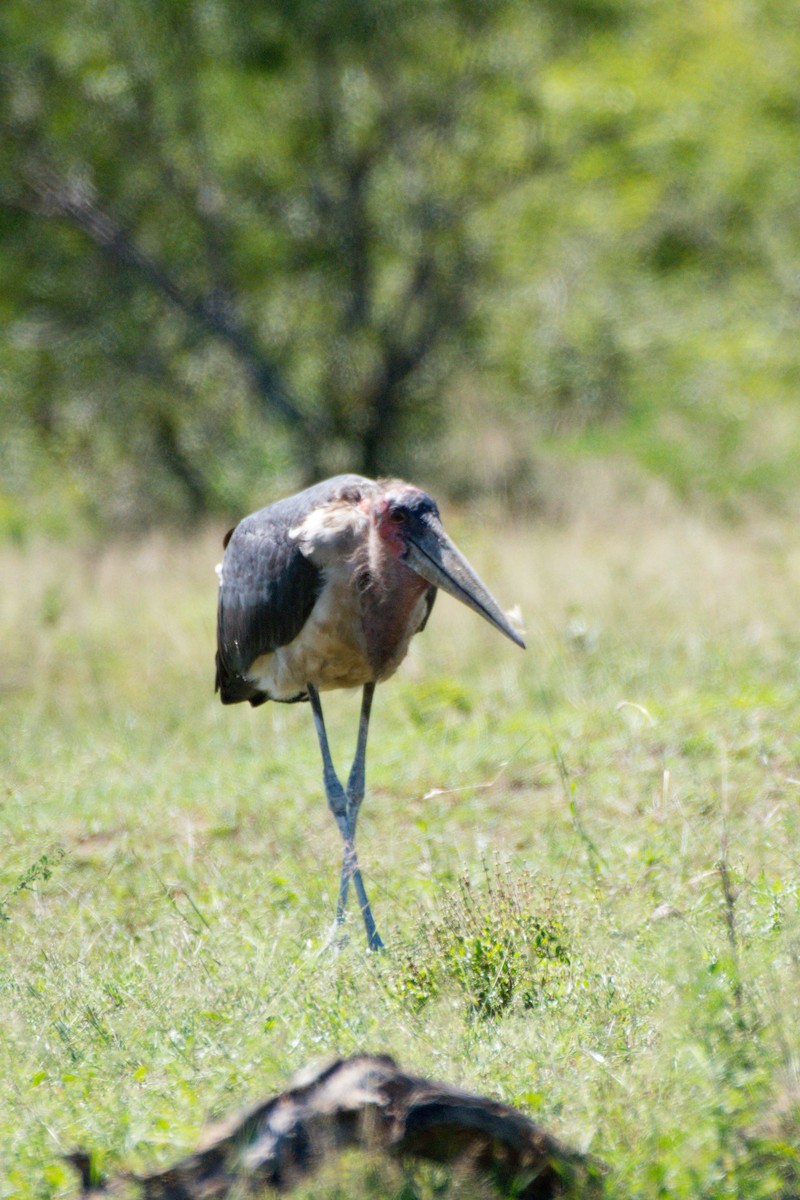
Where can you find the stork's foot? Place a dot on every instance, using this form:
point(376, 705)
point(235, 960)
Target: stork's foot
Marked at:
point(336, 940)
point(339, 937)
point(352, 871)
point(374, 942)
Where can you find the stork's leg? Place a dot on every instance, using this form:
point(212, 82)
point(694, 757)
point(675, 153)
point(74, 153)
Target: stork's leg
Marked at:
point(338, 804)
point(355, 794)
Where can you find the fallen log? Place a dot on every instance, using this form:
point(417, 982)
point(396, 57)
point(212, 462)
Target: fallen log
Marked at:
point(369, 1103)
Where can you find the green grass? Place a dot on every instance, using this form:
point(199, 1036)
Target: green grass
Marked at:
point(623, 962)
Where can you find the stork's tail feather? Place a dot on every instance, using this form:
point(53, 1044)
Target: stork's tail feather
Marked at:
point(233, 688)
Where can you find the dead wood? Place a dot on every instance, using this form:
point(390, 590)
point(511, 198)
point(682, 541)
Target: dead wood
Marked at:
point(369, 1103)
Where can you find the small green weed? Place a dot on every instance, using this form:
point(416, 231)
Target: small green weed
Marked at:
point(40, 870)
point(493, 944)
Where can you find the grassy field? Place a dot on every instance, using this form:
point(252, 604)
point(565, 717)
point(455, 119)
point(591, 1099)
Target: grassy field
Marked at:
point(623, 962)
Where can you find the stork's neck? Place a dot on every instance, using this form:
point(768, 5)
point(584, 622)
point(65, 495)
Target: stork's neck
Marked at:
point(390, 595)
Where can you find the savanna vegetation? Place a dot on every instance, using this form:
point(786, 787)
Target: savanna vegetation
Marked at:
point(543, 259)
point(583, 858)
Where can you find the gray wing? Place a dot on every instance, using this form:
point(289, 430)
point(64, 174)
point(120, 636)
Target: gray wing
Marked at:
point(268, 588)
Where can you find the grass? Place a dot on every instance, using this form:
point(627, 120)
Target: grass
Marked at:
point(584, 859)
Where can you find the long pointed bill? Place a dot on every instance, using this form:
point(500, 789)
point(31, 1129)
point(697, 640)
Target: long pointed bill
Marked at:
point(433, 556)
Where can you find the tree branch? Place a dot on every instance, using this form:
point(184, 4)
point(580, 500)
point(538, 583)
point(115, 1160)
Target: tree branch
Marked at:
point(366, 1102)
point(74, 203)
point(438, 308)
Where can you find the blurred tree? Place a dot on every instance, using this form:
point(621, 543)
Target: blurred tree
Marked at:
point(241, 241)
point(649, 299)
point(239, 236)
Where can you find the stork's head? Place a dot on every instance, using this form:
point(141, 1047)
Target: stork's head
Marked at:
point(408, 523)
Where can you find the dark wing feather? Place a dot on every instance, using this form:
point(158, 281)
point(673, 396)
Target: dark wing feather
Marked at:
point(268, 587)
point(266, 596)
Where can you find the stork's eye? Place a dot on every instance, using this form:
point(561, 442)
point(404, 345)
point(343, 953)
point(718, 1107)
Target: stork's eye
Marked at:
point(397, 516)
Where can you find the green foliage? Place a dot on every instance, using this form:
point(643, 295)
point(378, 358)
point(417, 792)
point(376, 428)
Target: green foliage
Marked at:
point(279, 268)
point(38, 871)
point(246, 245)
point(663, 304)
point(491, 947)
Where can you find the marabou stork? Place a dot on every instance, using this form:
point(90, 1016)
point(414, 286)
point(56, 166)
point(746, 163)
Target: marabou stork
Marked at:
point(325, 590)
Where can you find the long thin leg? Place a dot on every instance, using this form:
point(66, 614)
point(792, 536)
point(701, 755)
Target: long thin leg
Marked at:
point(338, 804)
point(355, 795)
